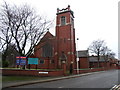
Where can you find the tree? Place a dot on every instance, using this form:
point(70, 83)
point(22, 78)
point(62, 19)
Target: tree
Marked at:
point(22, 27)
point(96, 47)
point(9, 56)
point(99, 48)
point(106, 52)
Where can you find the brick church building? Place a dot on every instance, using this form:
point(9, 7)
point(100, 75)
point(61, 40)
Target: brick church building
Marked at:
point(54, 51)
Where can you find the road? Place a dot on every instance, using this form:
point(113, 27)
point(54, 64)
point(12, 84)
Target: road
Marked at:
point(105, 79)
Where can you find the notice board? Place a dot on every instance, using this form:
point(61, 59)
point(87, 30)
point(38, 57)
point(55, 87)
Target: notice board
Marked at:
point(32, 60)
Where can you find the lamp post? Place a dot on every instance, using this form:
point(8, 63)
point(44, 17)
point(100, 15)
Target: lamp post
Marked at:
point(119, 54)
point(77, 58)
point(13, 60)
point(48, 61)
point(71, 67)
point(0, 60)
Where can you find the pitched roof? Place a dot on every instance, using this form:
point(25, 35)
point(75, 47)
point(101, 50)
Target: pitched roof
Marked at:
point(83, 53)
point(46, 37)
point(95, 59)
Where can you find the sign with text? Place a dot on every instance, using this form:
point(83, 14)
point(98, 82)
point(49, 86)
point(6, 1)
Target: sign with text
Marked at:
point(20, 60)
point(43, 72)
point(32, 60)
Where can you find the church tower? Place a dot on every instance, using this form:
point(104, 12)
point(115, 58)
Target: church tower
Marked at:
point(65, 37)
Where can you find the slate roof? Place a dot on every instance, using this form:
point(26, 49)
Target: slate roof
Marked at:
point(46, 37)
point(83, 53)
point(95, 59)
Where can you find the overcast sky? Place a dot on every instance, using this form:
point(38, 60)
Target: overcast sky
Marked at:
point(94, 19)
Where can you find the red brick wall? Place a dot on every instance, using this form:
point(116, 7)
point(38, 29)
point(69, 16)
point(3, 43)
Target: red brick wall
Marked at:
point(31, 72)
point(50, 73)
point(65, 36)
point(93, 70)
point(118, 66)
point(67, 14)
point(48, 38)
point(83, 62)
point(103, 64)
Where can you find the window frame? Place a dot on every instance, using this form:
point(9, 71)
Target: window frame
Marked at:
point(63, 20)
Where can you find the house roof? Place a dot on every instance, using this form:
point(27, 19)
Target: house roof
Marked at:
point(83, 53)
point(95, 59)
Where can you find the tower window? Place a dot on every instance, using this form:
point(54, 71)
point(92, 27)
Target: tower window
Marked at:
point(63, 20)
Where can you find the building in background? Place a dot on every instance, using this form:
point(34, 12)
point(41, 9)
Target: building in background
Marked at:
point(86, 61)
point(83, 59)
point(55, 51)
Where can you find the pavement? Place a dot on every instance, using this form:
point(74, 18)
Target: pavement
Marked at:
point(15, 84)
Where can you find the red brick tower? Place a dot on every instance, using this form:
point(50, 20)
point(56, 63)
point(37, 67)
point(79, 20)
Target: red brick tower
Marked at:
point(65, 36)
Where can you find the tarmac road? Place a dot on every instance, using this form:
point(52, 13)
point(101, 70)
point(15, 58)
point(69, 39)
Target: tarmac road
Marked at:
point(105, 79)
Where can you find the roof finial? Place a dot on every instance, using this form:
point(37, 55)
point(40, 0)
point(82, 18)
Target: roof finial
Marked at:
point(68, 7)
point(47, 29)
point(57, 10)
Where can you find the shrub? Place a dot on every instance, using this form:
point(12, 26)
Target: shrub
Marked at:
point(5, 63)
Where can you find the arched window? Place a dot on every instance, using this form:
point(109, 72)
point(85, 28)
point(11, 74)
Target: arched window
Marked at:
point(63, 20)
point(47, 50)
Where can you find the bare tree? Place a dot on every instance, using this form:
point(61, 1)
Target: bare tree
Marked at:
point(21, 27)
point(106, 52)
point(96, 47)
point(99, 48)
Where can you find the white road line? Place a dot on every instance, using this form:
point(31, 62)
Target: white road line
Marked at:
point(114, 87)
point(60, 87)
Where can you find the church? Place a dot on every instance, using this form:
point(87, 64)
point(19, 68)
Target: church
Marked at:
point(54, 51)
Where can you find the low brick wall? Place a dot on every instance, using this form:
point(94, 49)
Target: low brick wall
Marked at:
point(47, 72)
point(119, 67)
point(31, 72)
point(93, 70)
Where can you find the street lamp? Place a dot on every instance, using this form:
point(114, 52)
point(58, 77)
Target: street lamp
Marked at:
point(71, 67)
point(77, 57)
point(13, 60)
point(118, 54)
point(0, 60)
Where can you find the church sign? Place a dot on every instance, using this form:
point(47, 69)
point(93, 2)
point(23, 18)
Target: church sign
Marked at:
point(32, 60)
point(20, 60)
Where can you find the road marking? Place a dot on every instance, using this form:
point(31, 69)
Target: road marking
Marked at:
point(115, 87)
point(60, 87)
